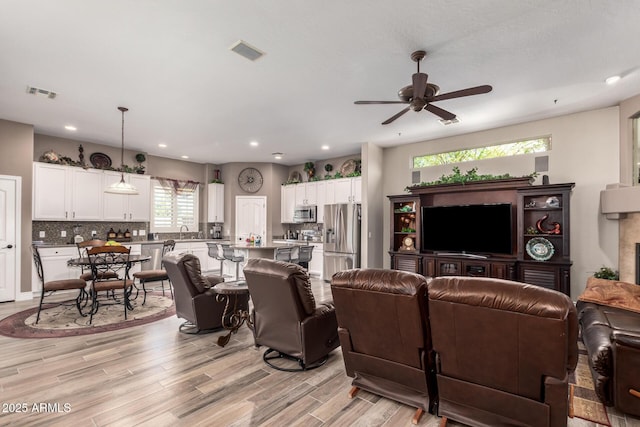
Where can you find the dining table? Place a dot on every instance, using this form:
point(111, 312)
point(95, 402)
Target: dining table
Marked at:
point(84, 261)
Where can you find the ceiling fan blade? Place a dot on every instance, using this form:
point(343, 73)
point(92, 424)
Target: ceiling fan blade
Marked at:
point(446, 115)
point(419, 85)
point(392, 118)
point(463, 92)
point(380, 102)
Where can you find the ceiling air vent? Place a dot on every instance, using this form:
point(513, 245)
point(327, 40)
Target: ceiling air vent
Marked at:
point(242, 48)
point(41, 92)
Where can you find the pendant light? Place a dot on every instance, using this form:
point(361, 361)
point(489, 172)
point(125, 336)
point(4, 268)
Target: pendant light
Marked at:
point(122, 187)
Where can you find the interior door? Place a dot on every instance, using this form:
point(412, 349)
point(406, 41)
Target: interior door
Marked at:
point(9, 232)
point(251, 216)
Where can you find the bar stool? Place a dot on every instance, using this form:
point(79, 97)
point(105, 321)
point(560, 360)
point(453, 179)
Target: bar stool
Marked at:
point(215, 252)
point(283, 254)
point(304, 256)
point(229, 254)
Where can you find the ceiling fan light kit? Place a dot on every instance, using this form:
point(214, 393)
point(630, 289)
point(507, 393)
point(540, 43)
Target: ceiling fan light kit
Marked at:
point(421, 94)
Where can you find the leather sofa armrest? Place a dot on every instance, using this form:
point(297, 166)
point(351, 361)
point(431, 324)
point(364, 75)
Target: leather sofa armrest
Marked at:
point(626, 373)
point(320, 332)
point(627, 340)
point(213, 280)
point(555, 396)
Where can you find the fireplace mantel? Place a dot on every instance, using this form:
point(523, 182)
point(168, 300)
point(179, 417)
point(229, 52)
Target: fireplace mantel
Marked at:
point(619, 199)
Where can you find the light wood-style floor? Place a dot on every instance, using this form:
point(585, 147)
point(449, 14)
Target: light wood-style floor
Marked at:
point(153, 375)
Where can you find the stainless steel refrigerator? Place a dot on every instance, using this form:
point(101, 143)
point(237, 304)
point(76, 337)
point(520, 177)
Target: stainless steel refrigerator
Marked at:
point(341, 238)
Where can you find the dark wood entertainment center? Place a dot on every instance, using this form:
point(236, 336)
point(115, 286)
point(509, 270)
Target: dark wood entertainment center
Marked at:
point(540, 232)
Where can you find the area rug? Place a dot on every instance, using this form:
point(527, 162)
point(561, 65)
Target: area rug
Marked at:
point(583, 401)
point(64, 321)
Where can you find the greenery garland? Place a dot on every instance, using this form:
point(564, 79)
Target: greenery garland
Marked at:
point(458, 177)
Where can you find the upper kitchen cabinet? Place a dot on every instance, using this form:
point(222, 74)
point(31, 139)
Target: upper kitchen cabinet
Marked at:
point(66, 193)
point(306, 193)
point(215, 212)
point(344, 190)
point(118, 207)
point(287, 203)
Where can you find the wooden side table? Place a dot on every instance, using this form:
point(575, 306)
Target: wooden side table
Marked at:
point(234, 316)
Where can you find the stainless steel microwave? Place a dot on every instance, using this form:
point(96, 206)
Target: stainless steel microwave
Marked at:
point(305, 213)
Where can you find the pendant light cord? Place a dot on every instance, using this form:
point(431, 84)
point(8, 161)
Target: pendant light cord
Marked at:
point(123, 110)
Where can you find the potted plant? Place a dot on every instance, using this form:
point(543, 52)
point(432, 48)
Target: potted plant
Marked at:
point(310, 169)
point(328, 168)
point(140, 158)
point(606, 273)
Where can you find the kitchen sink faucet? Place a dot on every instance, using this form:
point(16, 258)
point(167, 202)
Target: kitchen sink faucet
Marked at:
point(181, 230)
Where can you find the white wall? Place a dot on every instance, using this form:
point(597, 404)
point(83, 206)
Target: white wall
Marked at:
point(585, 150)
point(372, 198)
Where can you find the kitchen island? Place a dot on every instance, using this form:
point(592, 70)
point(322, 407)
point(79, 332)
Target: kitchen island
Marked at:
point(266, 249)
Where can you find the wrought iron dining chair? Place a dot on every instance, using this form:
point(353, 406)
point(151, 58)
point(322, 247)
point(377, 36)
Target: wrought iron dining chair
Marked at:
point(215, 252)
point(86, 274)
point(156, 275)
point(105, 262)
point(51, 286)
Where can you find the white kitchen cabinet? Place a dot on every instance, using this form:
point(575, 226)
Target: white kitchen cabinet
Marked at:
point(356, 189)
point(317, 260)
point(122, 207)
point(51, 195)
point(199, 249)
point(66, 193)
point(347, 190)
point(287, 203)
point(321, 197)
point(215, 211)
point(86, 194)
point(306, 193)
point(54, 264)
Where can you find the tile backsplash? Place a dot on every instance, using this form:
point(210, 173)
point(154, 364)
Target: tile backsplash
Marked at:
point(53, 231)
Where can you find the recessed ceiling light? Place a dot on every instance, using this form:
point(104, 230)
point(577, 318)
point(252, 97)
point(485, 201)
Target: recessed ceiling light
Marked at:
point(254, 143)
point(325, 147)
point(277, 156)
point(71, 128)
point(611, 80)
point(162, 145)
point(185, 157)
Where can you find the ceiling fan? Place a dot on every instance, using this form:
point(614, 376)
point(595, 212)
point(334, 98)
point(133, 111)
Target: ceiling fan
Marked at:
point(420, 95)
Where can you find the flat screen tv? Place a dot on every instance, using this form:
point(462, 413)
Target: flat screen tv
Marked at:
point(470, 229)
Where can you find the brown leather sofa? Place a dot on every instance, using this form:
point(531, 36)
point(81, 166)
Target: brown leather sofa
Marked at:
point(285, 316)
point(194, 297)
point(504, 351)
point(384, 332)
point(612, 338)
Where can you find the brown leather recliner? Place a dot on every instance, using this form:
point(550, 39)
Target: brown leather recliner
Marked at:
point(384, 332)
point(504, 351)
point(285, 316)
point(194, 297)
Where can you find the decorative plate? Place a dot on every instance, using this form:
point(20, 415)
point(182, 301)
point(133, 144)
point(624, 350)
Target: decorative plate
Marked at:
point(295, 176)
point(348, 167)
point(540, 249)
point(100, 160)
point(553, 202)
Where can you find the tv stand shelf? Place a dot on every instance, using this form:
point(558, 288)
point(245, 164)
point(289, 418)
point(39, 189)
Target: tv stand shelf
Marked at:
point(540, 214)
point(435, 265)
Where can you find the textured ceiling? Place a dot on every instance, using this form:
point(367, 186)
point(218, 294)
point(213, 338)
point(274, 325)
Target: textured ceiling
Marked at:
point(169, 62)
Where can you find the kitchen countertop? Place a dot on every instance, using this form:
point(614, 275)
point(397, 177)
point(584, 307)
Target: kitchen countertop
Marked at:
point(138, 242)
